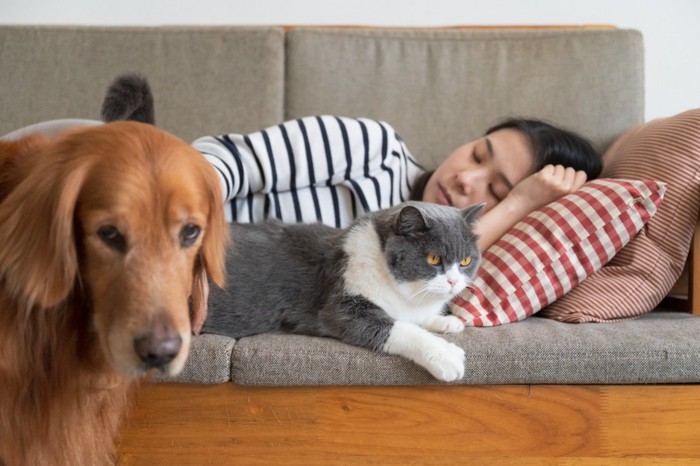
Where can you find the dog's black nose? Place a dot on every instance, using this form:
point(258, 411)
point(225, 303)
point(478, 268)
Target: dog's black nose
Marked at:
point(158, 348)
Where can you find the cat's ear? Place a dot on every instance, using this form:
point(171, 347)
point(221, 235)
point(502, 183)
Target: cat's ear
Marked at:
point(410, 221)
point(472, 213)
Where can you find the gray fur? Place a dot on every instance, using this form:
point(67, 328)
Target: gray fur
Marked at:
point(129, 97)
point(405, 253)
point(292, 277)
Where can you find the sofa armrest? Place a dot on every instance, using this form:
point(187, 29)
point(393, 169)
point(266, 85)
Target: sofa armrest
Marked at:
point(694, 272)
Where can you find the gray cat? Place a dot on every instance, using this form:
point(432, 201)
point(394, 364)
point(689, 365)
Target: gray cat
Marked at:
point(383, 283)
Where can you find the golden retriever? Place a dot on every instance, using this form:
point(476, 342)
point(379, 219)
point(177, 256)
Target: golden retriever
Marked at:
point(103, 232)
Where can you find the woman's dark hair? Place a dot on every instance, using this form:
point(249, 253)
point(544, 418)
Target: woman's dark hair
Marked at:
point(549, 144)
point(555, 146)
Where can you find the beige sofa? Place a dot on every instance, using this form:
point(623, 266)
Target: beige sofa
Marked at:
point(438, 88)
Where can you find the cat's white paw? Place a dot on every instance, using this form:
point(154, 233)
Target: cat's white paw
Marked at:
point(444, 360)
point(444, 324)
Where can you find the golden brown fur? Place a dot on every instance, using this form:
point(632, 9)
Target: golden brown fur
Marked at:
point(72, 303)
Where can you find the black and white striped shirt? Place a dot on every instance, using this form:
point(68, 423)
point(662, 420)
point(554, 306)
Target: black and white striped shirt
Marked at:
point(318, 168)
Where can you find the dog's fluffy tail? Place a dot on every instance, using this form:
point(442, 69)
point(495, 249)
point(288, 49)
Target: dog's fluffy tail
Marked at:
point(129, 97)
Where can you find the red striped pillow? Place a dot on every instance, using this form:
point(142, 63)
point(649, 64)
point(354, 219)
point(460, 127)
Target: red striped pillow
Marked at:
point(553, 249)
point(642, 274)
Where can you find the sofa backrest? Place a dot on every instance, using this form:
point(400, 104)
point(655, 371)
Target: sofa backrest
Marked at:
point(205, 80)
point(441, 88)
point(438, 87)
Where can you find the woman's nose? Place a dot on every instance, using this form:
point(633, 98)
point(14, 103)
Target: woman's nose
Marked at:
point(472, 183)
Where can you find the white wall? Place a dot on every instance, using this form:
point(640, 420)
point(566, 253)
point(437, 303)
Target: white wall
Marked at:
point(670, 27)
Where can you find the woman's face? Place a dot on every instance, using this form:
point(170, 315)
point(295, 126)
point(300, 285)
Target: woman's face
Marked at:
point(481, 171)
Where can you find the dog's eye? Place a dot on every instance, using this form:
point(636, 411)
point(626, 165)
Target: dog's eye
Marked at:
point(112, 238)
point(189, 234)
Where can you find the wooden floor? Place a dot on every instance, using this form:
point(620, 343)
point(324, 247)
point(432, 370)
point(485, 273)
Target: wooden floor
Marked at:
point(480, 425)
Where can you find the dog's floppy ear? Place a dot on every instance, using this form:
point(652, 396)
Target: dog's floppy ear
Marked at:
point(211, 260)
point(38, 259)
point(216, 237)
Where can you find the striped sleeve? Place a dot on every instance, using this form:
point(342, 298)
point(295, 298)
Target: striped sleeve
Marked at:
point(317, 168)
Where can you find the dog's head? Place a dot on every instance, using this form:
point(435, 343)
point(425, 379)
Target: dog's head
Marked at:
point(126, 215)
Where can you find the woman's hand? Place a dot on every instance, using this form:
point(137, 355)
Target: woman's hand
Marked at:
point(535, 191)
point(545, 186)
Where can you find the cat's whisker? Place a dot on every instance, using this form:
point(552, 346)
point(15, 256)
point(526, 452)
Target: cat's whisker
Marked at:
point(424, 290)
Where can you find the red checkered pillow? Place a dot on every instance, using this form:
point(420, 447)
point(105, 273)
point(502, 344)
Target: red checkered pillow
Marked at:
point(641, 275)
point(553, 249)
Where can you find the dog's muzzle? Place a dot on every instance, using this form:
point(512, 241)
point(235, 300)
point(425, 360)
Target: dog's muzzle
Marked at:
point(158, 347)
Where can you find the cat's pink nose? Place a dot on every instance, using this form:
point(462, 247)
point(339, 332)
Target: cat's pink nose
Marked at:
point(451, 281)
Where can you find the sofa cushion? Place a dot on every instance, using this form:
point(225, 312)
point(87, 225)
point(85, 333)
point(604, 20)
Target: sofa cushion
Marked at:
point(210, 80)
point(553, 249)
point(209, 361)
point(643, 273)
point(442, 88)
point(661, 347)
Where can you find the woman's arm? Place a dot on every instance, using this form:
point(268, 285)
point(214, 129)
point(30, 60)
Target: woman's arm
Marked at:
point(310, 151)
point(318, 168)
point(535, 191)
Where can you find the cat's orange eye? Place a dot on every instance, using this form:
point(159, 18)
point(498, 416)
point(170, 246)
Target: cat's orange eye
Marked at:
point(433, 259)
point(466, 261)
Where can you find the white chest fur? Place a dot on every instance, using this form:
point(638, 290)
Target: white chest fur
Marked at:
point(368, 274)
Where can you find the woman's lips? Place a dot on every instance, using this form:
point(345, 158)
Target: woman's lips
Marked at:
point(443, 196)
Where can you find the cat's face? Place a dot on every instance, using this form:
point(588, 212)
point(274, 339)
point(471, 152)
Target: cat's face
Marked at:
point(432, 252)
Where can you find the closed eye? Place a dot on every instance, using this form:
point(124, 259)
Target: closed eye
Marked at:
point(493, 194)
